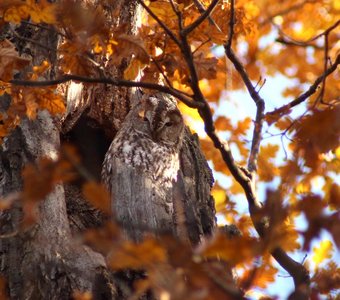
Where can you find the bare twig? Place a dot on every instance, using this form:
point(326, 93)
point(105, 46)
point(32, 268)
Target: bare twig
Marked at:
point(288, 40)
point(174, 92)
point(202, 9)
point(312, 89)
point(161, 71)
point(205, 14)
point(165, 28)
point(323, 86)
point(260, 105)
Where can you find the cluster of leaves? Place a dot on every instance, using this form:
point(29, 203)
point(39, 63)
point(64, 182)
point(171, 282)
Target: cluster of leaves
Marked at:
point(25, 102)
point(274, 38)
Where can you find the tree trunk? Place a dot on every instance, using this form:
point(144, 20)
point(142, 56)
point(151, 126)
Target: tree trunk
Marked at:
point(45, 261)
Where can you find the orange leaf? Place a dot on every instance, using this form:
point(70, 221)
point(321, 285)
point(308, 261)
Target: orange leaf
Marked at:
point(10, 60)
point(223, 124)
point(266, 167)
point(97, 195)
point(234, 251)
point(137, 256)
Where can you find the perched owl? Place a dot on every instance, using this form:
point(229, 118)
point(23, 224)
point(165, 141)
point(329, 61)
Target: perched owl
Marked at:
point(141, 167)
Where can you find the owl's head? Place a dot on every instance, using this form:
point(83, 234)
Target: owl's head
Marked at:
point(162, 120)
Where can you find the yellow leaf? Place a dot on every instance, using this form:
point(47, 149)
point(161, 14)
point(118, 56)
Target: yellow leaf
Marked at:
point(188, 111)
point(324, 251)
point(303, 187)
point(219, 196)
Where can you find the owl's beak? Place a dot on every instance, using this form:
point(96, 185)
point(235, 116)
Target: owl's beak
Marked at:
point(146, 117)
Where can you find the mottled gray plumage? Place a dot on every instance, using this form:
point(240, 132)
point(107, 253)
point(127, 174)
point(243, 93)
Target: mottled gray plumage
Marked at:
point(141, 166)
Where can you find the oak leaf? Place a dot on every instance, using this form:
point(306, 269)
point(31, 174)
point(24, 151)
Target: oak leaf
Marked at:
point(10, 61)
point(321, 252)
point(97, 195)
point(136, 256)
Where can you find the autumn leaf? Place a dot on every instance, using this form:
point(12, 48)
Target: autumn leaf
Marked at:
point(318, 133)
point(266, 166)
point(4, 88)
point(77, 295)
point(327, 279)
point(233, 251)
point(219, 195)
point(128, 45)
point(259, 277)
point(3, 288)
point(222, 123)
point(43, 11)
point(10, 61)
point(97, 195)
point(321, 252)
point(137, 256)
point(206, 66)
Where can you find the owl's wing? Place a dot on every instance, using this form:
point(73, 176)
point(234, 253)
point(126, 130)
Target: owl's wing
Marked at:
point(139, 204)
point(195, 180)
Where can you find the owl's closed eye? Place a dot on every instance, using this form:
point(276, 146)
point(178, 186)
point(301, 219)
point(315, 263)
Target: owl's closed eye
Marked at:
point(162, 120)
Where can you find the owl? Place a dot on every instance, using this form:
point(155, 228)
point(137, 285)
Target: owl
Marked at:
point(141, 167)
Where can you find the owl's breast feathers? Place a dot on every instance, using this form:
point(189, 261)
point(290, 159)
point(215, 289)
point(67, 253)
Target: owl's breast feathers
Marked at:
point(138, 151)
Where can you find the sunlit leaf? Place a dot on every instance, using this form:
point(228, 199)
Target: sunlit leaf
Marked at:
point(321, 252)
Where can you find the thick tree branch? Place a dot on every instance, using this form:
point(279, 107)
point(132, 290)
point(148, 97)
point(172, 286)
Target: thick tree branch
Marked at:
point(174, 92)
point(312, 89)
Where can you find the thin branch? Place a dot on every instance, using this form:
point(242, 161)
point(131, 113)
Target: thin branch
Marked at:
point(260, 104)
point(323, 86)
point(165, 28)
point(296, 270)
point(167, 81)
point(202, 9)
point(206, 14)
point(325, 32)
point(174, 92)
point(312, 89)
point(288, 42)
